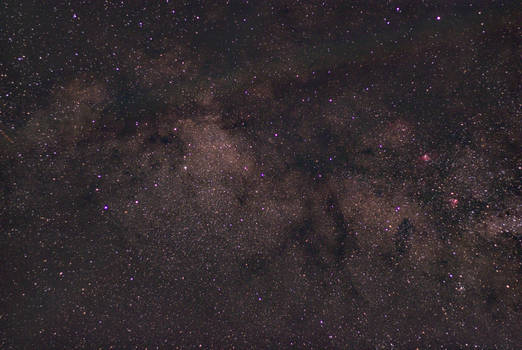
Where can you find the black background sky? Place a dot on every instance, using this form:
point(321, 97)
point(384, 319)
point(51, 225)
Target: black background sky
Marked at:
point(260, 174)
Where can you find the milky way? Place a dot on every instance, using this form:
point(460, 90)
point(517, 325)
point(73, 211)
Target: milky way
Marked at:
point(323, 175)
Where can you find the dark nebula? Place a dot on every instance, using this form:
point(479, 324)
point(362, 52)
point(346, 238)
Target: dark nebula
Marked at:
point(260, 174)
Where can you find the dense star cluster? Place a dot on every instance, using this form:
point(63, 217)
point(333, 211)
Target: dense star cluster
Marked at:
point(260, 174)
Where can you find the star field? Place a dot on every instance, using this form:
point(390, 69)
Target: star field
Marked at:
point(260, 174)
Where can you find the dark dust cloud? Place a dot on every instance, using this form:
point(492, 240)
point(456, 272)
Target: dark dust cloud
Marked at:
point(260, 174)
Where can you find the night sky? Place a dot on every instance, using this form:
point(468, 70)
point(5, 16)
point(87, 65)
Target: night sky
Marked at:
point(260, 174)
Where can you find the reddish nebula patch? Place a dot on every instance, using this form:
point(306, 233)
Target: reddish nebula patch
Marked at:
point(425, 157)
point(454, 202)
